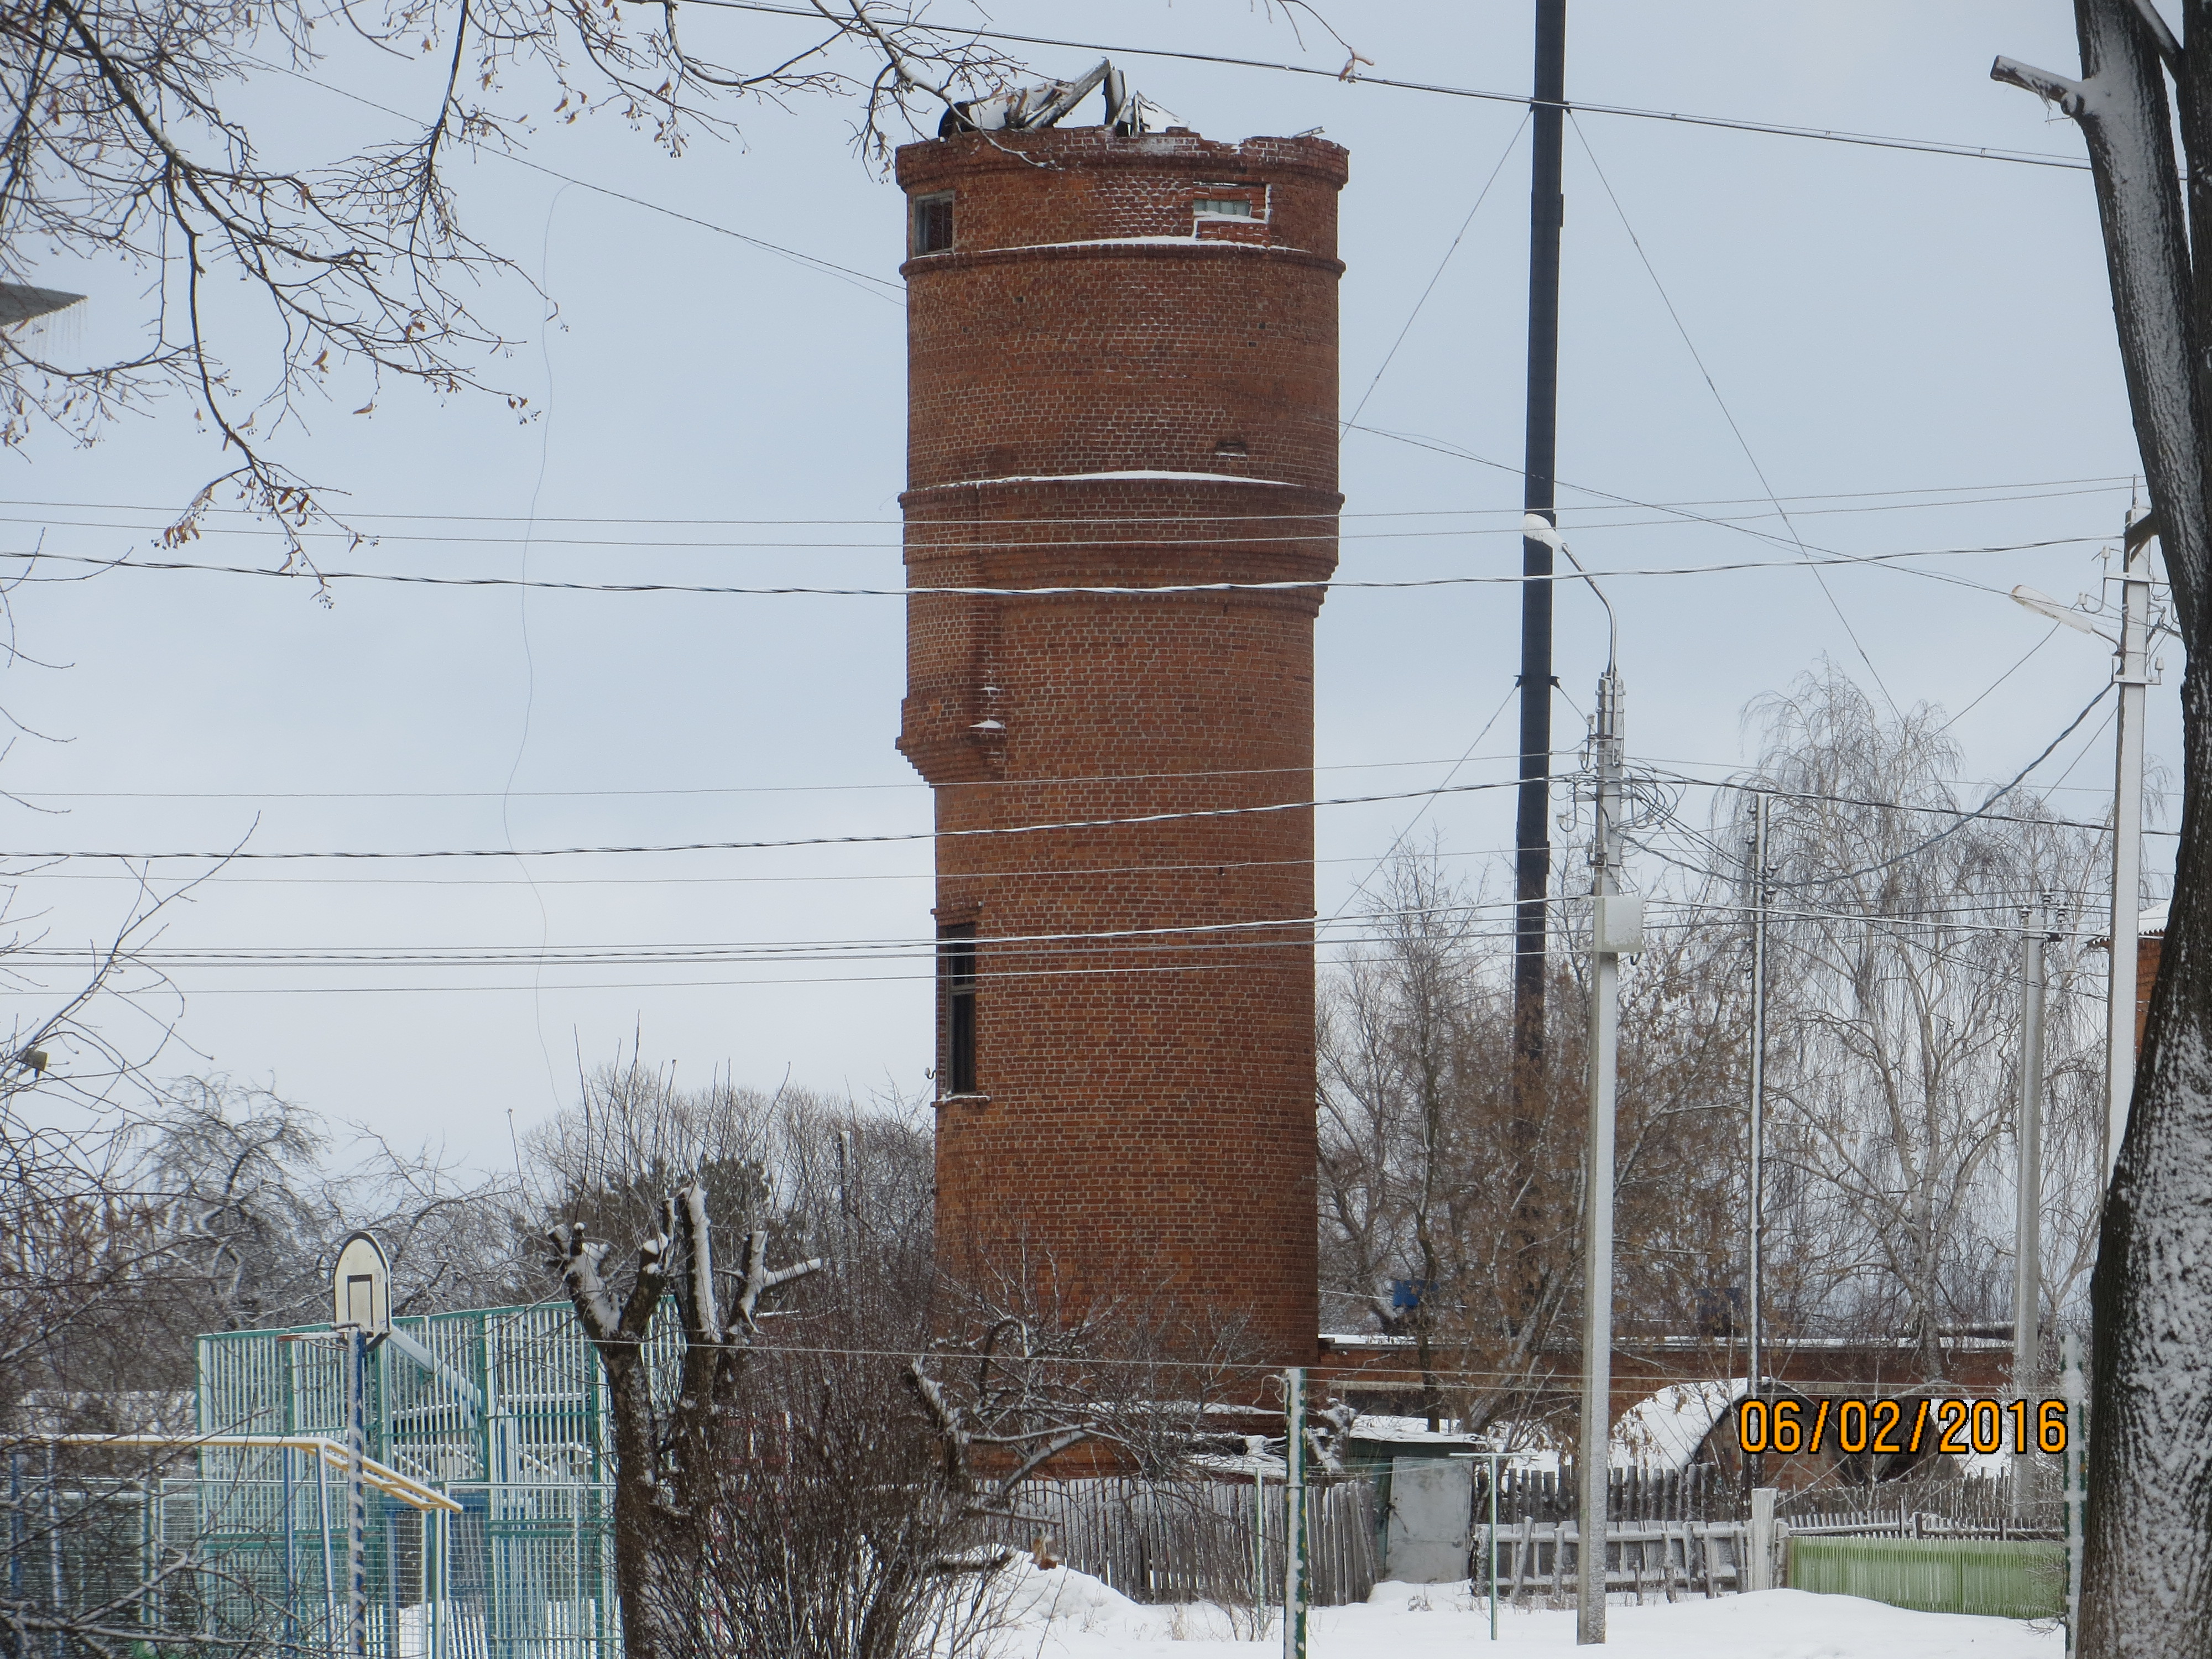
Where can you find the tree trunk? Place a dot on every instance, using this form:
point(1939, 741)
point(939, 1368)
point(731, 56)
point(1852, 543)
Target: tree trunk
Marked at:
point(2147, 1581)
point(2146, 1576)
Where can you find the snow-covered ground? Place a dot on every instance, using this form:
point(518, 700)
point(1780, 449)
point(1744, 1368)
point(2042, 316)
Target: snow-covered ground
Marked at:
point(1062, 1615)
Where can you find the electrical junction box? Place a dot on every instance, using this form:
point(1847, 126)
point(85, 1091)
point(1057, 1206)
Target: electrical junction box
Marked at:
point(1617, 923)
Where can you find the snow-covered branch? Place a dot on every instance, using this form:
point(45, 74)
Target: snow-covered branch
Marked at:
point(2069, 96)
point(760, 1280)
point(577, 1260)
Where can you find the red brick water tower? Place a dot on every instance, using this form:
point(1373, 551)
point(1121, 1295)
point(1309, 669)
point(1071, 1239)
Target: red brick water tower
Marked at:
point(1122, 373)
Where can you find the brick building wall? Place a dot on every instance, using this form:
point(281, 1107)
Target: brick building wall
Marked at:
point(1140, 1122)
point(2148, 948)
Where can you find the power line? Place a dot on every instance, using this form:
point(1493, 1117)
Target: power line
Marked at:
point(880, 839)
point(1459, 452)
point(1754, 786)
point(1882, 561)
point(1987, 689)
point(1727, 414)
point(1216, 937)
point(1965, 818)
point(274, 880)
point(1830, 135)
point(1675, 515)
point(1436, 275)
point(876, 285)
point(1970, 495)
point(1242, 964)
point(1425, 795)
point(728, 789)
point(908, 785)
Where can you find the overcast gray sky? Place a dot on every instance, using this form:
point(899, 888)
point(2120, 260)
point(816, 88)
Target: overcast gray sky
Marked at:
point(1873, 322)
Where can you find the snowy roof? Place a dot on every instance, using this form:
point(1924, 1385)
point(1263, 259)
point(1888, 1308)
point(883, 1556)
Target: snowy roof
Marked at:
point(1267, 1465)
point(1407, 1432)
point(1663, 1432)
point(2151, 924)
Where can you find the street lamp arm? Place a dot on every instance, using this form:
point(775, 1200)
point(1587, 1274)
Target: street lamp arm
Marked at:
point(2044, 605)
point(1537, 528)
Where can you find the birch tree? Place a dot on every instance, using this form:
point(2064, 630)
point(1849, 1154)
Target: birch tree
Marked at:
point(2147, 1579)
point(1896, 1016)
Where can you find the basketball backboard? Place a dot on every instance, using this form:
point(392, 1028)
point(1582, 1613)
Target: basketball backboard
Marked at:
point(361, 1286)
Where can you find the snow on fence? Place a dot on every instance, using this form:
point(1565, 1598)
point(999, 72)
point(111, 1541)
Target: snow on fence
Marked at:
point(1204, 1539)
point(1939, 1505)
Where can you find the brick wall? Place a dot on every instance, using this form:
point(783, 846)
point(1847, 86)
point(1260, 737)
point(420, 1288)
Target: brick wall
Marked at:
point(1142, 1124)
point(2148, 949)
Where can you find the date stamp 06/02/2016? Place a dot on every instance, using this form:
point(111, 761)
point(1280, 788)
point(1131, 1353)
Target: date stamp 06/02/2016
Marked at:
point(1894, 1426)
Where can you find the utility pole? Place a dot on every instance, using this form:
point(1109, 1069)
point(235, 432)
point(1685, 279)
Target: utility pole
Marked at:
point(2027, 1204)
point(1532, 864)
point(1616, 929)
point(1296, 1591)
point(2132, 671)
point(1762, 807)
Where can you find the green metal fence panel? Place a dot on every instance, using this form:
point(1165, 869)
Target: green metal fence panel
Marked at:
point(2005, 1579)
point(507, 1417)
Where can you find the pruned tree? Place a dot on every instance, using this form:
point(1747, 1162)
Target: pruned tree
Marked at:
point(846, 1482)
point(2145, 1589)
point(669, 1446)
point(853, 1183)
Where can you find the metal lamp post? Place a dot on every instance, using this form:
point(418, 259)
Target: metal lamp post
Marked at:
point(1616, 930)
point(2132, 673)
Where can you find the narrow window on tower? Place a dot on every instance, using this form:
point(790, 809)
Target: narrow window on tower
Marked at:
point(932, 224)
point(956, 1008)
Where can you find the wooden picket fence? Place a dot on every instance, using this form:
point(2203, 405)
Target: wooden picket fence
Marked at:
point(1540, 1561)
point(1697, 1493)
point(1202, 1540)
point(1937, 1506)
point(1672, 1536)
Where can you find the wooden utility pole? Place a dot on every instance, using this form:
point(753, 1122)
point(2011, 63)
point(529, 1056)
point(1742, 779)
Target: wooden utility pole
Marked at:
point(1532, 867)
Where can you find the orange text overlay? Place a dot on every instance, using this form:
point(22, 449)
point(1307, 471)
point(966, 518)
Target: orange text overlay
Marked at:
point(1901, 1427)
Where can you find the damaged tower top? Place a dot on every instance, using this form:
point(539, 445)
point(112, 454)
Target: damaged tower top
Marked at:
point(1032, 109)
